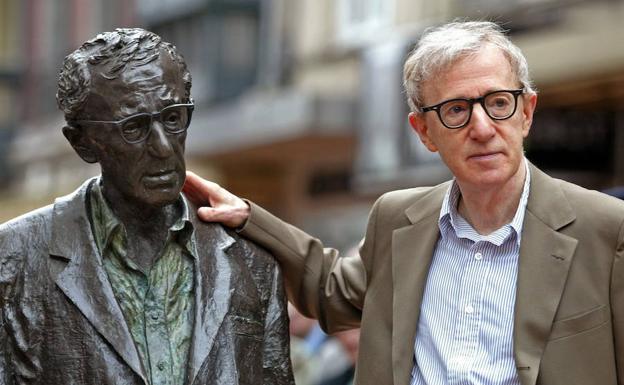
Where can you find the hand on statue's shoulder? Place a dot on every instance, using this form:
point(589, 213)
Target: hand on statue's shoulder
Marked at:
point(215, 203)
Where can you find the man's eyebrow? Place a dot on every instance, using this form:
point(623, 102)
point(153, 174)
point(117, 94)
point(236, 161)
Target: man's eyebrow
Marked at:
point(487, 91)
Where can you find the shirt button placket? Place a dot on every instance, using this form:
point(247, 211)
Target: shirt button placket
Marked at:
point(157, 341)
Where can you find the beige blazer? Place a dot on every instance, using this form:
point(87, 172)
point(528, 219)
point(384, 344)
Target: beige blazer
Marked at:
point(569, 311)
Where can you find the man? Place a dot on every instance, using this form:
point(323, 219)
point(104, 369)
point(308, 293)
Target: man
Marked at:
point(119, 283)
point(501, 276)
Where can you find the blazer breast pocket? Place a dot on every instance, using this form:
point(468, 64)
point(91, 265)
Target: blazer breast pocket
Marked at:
point(579, 323)
point(247, 327)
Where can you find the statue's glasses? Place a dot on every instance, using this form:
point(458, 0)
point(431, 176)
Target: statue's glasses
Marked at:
point(456, 113)
point(175, 119)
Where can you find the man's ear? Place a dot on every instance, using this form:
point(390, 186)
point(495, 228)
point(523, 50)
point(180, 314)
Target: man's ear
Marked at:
point(528, 108)
point(76, 137)
point(417, 121)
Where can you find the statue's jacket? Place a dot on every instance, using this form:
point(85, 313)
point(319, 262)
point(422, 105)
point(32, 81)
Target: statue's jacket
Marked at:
point(61, 323)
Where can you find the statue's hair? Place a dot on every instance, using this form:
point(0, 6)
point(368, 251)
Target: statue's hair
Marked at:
point(442, 46)
point(117, 50)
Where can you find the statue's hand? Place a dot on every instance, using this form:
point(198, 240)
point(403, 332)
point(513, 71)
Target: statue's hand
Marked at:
point(217, 204)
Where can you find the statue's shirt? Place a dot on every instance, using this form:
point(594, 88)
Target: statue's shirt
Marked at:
point(157, 304)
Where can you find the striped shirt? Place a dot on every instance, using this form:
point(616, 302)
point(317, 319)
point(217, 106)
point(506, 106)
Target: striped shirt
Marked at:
point(465, 329)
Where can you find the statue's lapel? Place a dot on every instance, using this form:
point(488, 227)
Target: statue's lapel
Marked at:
point(84, 280)
point(213, 289)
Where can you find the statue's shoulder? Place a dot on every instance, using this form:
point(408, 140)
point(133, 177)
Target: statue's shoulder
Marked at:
point(261, 264)
point(29, 227)
point(23, 238)
point(252, 252)
point(36, 226)
point(254, 255)
point(256, 261)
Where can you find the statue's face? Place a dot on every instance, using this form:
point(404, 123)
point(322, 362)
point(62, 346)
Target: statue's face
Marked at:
point(151, 171)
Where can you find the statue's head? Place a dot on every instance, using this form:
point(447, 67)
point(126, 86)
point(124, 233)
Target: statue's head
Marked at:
point(126, 99)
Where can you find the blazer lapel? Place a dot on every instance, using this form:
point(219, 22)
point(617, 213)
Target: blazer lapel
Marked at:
point(213, 274)
point(84, 280)
point(545, 258)
point(412, 251)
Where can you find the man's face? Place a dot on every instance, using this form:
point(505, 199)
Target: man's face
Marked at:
point(485, 153)
point(150, 172)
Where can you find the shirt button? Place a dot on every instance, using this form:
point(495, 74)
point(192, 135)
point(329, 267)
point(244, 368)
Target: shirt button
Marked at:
point(478, 256)
point(161, 366)
point(154, 316)
point(469, 309)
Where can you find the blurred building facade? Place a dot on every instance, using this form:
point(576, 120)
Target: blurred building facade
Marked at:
point(36, 163)
point(9, 76)
point(299, 103)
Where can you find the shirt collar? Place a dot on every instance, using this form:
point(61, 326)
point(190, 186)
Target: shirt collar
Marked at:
point(107, 226)
point(450, 220)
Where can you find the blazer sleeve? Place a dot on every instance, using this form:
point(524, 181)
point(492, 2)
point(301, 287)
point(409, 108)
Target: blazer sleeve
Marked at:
point(319, 282)
point(617, 305)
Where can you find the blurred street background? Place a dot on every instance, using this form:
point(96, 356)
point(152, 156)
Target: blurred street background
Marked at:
point(299, 102)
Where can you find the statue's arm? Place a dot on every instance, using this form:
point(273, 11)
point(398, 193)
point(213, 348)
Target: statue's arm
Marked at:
point(6, 374)
point(10, 266)
point(277, 369)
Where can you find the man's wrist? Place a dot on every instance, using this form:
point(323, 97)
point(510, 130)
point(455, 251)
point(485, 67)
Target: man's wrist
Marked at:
point(245, 214)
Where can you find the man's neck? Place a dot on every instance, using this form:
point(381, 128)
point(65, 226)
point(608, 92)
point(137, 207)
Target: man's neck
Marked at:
point(146, 226)
point(489, 209)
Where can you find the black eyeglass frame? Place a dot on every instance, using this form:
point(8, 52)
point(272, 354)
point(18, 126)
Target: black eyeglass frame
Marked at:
point(152, 115)
point(471, 102)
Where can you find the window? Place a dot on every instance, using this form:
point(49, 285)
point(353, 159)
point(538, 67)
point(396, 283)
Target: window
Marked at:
point(361, 19)
point(220, 45)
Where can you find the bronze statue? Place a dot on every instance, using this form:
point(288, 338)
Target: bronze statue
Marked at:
point(119, 282)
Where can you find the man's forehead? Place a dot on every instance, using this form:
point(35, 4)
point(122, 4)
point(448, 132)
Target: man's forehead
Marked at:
point(162, 68)
point(476, 72)
point(156, 76)
point(137, 90)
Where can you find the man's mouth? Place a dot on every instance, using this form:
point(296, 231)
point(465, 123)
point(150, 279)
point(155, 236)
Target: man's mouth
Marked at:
point(485, 156)
point(160, 178)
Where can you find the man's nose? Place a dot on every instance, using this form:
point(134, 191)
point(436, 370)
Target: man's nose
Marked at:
point(481, 125)
point(159, 142)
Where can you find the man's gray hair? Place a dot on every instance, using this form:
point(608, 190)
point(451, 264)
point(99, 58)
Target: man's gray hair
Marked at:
point(117, 50)
point(442, 46)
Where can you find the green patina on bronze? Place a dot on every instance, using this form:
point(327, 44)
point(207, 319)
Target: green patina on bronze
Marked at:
point(157, 304)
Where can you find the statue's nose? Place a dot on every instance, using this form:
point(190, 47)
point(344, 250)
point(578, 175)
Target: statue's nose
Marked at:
point(158, 140)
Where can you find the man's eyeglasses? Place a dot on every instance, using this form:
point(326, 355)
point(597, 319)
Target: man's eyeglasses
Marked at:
point(136, 128)
point(456, 113)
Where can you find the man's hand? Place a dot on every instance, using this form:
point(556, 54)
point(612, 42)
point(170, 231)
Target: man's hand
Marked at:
point(219, 205)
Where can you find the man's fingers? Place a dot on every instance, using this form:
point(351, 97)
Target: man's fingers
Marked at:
point(201, 185)
point(223, 206)
point(208, 214)
point(194, 195)
point(230, 218)
point(202, 191)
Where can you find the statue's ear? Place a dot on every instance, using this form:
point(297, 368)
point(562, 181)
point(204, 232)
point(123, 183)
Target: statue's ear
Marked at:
point(80, 143)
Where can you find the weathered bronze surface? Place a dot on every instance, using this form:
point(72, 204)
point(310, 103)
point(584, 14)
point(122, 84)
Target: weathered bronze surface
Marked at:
point(66, 307)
